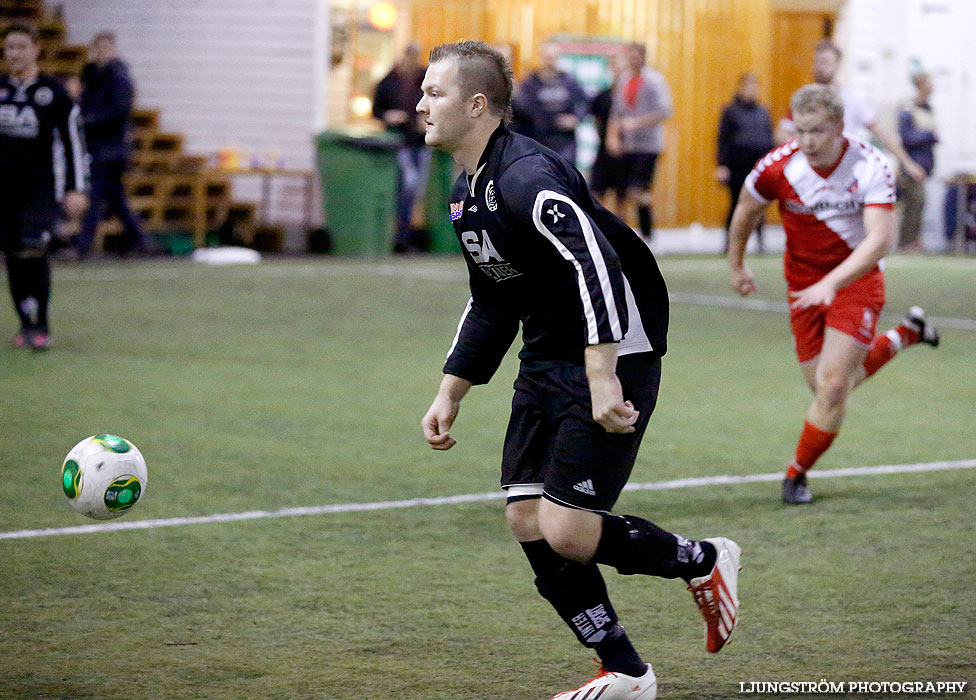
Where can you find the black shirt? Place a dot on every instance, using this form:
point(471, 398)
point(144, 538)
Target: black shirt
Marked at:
point(42, 151)
point(541, 252)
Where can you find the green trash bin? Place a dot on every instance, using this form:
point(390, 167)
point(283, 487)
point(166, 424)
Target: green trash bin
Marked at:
point(359, 178)
point(437, 212)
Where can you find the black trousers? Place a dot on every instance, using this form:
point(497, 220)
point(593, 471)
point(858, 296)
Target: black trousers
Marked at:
point(108, 198)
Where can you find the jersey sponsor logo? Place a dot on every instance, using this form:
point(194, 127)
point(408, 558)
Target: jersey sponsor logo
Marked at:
point(43, 96)
point(19, 122)
point(852, 188)
point(482, 251)
point(490, 200)
point(824, 207)
point(457, 208)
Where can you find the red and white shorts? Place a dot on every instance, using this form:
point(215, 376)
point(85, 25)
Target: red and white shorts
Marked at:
point(854, 312)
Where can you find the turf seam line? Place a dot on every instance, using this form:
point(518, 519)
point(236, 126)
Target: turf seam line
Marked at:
point(472, 498)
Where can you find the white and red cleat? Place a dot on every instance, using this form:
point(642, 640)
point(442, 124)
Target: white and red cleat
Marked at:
point(608, 685)
point(717, 594)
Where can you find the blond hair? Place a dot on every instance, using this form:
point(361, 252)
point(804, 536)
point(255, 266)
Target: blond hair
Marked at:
point(810, 98)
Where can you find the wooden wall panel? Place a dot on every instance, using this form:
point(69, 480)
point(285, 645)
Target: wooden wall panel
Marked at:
point(701, 46)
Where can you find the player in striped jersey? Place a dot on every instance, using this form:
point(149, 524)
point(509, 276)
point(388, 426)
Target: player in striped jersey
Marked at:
point(836, 197)
point(593, 310)
point(43, 166)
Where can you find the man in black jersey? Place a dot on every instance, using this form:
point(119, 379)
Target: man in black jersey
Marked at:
point(43, 166)
point(593, 308)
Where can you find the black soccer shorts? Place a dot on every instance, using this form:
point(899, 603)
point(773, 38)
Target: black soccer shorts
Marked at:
point(27, 226)
point(555, 449)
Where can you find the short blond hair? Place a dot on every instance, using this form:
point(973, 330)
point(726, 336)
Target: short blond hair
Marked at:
point(815, 96)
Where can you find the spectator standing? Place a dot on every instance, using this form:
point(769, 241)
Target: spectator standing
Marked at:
point(107, 98)
point(394, 103)
point(916, 126)
point(606, 168)
point(641, 104)
point(745, 134)
point(551, 104)
point(43, 159)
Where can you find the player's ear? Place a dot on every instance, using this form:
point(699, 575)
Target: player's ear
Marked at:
point(479, 104)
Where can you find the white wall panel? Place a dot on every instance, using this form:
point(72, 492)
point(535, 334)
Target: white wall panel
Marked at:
point(249, 74)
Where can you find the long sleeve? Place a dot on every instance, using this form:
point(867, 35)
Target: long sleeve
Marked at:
point(70, 157)
point(484, 335)
point(537, 197)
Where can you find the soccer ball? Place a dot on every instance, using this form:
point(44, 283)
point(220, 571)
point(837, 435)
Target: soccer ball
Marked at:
point(103, 476)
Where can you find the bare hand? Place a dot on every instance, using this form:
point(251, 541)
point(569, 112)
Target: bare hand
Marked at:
point(395, 117)
point(820, 294)
point(437, 422)
point(743, 282)
point(722, 173)
point(609, 408)
point(566, 122)
point(915, 171)
point(75, 204)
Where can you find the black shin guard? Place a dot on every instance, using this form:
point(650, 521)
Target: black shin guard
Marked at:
point(633, 545)
point(575, 590)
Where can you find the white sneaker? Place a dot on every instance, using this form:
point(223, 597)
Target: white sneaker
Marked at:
point(608, 685)
point(717, 594)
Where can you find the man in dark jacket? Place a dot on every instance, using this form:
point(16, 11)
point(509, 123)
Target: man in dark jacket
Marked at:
point(551, 104)
point(394, 100)
point(745, 134)
point(917, 128)
point(106, 105)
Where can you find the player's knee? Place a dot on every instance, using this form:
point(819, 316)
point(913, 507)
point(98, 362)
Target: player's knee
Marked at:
point(523, 519)
point(833, 388)
point(566, 542)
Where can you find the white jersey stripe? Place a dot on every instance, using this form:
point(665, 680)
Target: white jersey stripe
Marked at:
point(593, 334)
point(59, 165)
point(467, 310)
point(77, 149)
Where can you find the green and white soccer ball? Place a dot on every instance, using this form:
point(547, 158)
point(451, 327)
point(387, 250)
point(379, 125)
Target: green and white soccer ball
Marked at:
point(103, 476)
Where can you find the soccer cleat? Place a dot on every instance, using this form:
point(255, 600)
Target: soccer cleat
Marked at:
point(40, 341)
point(926, 331)
point(609, 685)
point(23, 338)
point(795, 491)
point(717, 594)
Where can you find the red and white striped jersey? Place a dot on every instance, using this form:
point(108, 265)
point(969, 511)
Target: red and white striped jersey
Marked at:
point(823, 213)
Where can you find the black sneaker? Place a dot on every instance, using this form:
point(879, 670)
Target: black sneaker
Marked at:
point(795, 491)
point(926, 331)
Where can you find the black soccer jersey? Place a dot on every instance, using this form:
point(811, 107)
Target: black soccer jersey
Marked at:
point(42, 151)
point(541, 252)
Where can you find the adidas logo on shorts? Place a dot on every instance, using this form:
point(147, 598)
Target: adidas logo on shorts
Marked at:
point(585, 486)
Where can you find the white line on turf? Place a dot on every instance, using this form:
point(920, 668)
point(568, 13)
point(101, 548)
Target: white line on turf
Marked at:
point(469, 498)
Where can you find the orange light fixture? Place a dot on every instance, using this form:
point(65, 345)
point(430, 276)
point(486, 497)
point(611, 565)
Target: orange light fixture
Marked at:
point(382, 16)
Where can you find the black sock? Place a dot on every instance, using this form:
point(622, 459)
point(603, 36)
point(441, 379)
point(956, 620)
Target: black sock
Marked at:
point(618, 654)
point(19, 275)
point(645, 219)
point(575, 590)
point(40, 288)
point(633, 545)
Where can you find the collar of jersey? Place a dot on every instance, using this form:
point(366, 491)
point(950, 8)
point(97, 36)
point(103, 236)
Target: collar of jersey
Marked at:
point(483, 161)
